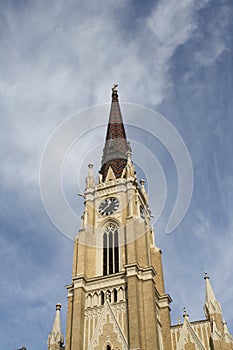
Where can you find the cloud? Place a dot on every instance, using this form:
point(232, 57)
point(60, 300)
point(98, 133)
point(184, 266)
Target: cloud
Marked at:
point(172, 24)
point(56, 61)
point(59, 58)
point(216, 41)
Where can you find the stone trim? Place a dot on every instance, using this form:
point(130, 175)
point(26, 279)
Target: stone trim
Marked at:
point(144, 274)
point(99, 328)
point(92, 284)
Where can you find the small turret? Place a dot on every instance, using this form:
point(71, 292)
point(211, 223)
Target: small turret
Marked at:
point(55, 338)
point(90, 180)
point(211, 306)
point(130, 170)
point(219, 333)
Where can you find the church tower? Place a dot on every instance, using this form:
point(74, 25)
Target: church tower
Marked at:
point(117, 299)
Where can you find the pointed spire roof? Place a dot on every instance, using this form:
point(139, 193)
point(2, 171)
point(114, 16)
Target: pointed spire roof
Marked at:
point(210, 297)
point(116, 146)
point(56, 336)
point(211, 305)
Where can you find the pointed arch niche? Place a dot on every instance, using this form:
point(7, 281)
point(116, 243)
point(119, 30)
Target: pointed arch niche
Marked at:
point(108, 255)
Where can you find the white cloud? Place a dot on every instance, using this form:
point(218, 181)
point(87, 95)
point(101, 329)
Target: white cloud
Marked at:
point(56, 59)
point(216, 41)
point(55, 62)
point(172, 23)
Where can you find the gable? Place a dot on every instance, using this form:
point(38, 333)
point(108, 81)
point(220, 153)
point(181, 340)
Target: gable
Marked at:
point(108, 331)
point(189, 339)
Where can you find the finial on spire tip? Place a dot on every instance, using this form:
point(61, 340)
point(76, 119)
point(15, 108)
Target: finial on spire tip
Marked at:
point(129, 153)
point(114, 88)
point(206, 275)
point(114, 93)
point(58, 306)
point(185, 312)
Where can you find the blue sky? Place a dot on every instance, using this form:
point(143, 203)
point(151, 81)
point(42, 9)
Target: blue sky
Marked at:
point(59, 57)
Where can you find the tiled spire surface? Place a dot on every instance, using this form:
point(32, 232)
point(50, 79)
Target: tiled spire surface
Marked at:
point(116, 146)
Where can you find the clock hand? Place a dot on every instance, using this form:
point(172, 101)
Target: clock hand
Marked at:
point(109, 203)
point(108, 206)
point(105, 207)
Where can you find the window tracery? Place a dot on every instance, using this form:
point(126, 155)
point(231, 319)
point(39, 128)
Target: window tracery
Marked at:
point(110, 250)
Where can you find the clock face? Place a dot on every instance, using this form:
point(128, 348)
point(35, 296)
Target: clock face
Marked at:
point(108, 206)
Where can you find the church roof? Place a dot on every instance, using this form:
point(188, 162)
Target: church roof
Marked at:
point(116, 146)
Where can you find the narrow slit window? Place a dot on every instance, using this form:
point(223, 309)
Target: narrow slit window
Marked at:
point(110, 250)
point(102, 298)
point(116, 251)
point(115, 295)
point(105, 255)
point(110, 253)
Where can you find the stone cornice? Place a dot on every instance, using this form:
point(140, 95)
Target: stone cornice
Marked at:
point(141, 273)
point(100, 282)
point(164, 300)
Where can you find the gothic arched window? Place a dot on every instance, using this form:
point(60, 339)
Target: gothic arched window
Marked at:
point(108, 347)
point(110, 250)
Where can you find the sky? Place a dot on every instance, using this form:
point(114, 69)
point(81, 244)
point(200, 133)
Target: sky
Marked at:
point(57, 59)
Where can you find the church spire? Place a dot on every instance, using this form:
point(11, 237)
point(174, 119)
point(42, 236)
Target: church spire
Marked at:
point(210, 297)
point(212, 306)
point(116, 146)
point(55, 338)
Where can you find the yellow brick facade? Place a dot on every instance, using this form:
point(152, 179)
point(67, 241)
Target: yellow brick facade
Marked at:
point(127, 308)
